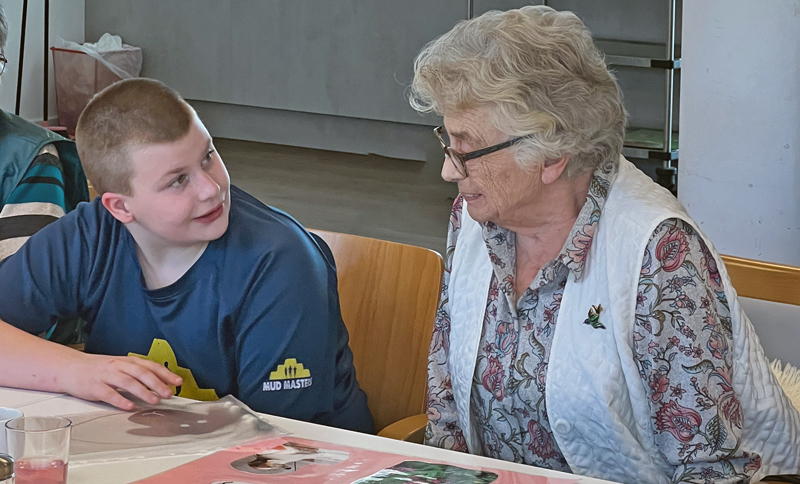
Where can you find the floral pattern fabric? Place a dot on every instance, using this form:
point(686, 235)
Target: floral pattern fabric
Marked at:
point(681, 341)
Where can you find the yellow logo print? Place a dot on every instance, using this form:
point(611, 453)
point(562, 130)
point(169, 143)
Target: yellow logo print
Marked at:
point(161, 353)
point(291, 375)
point(290, 369)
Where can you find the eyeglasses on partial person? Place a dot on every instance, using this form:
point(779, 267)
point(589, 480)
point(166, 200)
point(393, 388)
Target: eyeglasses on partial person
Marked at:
point(460, 160)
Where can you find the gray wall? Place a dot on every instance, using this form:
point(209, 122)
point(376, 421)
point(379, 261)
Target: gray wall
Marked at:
point(66, 21)
point(331, 75)
point(252, 65)
point(740, 131)
point(342, 58)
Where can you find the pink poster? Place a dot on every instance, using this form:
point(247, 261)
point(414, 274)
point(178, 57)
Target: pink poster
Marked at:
point(287, 459)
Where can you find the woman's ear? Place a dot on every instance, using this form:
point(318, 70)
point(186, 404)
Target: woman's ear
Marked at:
point(117, 206)
point(552, 169)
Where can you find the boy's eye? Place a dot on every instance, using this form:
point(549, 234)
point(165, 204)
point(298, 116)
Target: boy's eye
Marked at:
point(178, 181)
point(208, 157)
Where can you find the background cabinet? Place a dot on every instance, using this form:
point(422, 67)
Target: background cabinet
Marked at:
point(334, 75)
point(651, 143)
point(641, 42)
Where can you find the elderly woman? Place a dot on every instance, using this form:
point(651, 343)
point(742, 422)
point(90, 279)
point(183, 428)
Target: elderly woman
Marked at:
point(586, 324)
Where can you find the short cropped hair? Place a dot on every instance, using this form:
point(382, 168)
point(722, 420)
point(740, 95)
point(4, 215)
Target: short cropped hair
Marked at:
point(3, 28)
point(539, 73)
point(127, 114)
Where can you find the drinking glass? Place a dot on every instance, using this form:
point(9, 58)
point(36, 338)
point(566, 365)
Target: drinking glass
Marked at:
point(40, 448)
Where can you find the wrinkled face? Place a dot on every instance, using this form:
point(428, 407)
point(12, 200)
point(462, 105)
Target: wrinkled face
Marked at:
point(496, 188)
point(180, 190)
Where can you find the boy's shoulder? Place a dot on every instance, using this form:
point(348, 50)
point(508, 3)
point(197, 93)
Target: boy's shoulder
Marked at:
point(261, 227)
point(89, 221)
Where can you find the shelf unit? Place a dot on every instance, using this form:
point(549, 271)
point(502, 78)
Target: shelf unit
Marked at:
point(644, 143)
point(654, 144)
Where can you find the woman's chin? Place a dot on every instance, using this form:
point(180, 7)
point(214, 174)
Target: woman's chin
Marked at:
point(477, 211)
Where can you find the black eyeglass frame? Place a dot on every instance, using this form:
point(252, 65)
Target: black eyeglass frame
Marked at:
point(3, 62)
point(460, 160)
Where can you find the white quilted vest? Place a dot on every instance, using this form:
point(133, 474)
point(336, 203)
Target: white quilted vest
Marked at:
point(596, 399)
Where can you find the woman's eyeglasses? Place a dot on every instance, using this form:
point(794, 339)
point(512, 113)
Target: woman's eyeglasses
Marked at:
point(460, 160)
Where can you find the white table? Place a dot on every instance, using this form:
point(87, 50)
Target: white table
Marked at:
point(41, 403)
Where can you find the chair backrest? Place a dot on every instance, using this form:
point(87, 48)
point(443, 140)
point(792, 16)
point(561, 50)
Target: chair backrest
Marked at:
point(389, 295)
point(92, 191)
point(770, 296)
point(764, 280)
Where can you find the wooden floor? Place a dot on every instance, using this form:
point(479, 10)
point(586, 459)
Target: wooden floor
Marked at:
point(399, 200)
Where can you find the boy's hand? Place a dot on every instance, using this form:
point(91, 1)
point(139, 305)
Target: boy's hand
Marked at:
point(99, 377)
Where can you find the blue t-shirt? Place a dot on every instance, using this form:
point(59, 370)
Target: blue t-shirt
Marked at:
point(257, 316)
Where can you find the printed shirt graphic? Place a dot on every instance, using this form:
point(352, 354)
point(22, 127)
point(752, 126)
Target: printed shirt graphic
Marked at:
point(161, 353)
point(288, 376)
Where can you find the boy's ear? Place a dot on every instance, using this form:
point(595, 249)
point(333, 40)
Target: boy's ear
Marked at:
point(552, 169)
point(117, 206)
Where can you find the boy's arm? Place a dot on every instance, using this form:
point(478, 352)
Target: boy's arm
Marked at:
point(43, 281)
point(287, 343)
point(36, 364)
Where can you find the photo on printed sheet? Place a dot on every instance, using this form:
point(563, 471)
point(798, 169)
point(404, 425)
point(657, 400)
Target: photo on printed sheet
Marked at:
point(286, 458)
point(416, 472)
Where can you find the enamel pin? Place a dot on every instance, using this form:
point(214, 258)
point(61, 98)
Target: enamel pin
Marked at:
point(594, 317)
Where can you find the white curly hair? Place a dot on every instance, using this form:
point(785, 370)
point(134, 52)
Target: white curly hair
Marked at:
point(539, 73)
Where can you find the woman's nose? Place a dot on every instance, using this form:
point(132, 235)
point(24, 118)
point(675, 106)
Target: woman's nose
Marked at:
point(449, 171)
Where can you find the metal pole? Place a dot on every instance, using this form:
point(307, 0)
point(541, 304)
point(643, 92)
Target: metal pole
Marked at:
point(670, 82)
point(45, 94)
point(21, 53)
point(469, 9)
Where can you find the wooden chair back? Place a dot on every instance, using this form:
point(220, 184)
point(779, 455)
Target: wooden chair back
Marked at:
point(389, 294)
point(764, 280)
point(92, 191)
point(770, 296)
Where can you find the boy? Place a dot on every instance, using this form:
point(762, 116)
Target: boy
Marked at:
point(173, 264)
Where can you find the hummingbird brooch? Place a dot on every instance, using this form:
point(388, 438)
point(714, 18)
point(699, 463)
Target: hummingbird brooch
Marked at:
point(594, 317)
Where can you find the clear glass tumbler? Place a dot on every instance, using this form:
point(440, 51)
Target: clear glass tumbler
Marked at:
point(40, 448)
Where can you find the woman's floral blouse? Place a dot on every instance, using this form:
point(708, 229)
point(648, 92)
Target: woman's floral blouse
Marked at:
point(682, 341)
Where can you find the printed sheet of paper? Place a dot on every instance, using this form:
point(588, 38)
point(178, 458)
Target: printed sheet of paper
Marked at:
point(168, 428)
point(290, 460)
